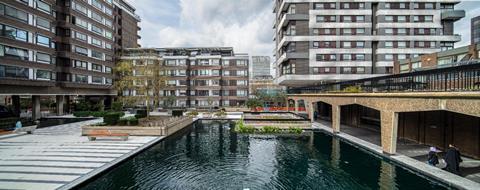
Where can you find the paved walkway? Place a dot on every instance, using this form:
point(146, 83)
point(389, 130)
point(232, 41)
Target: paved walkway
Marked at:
point(371, 141)
point(58, 157)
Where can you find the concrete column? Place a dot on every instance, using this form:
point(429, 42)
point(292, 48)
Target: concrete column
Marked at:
point(387, 176)
point(16, 105)
point(389, 130)
point(67, 105)
point(312, 112)
point(60, 104)
point(296, 106)
point(335, 157)
point(36, 108)
point(288, 105)
point(102, 102)
point(336, 118)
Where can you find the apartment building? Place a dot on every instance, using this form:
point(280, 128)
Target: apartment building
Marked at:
point(62, 48)
point(475, 30)
point(260, 67)
point(195, 77)
point(336, 40)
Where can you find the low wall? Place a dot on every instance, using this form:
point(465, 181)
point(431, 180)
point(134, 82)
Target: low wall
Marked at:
point(143, 131)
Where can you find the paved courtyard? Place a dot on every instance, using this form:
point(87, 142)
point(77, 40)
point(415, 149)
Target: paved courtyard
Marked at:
point(58, 156)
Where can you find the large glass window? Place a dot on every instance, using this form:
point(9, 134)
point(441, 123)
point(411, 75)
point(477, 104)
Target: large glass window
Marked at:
point(81, 79)
point(44, 58)
point(13, 72)
point(97, 17)
point(97, 80)
point(43, 23)
point(80, 64)
point(80, 22)
point(97, 4)
point(15, 33)
point(17, 14)
point(12, 52)
point(80, 36)
point(44, 75)
point(108, 35)
point(43, 40)
point(44, 7)
point(97, 30)
point(96, 54)
point(97, 67)
point(81, 8)
point(81, 50)
point(96, 42)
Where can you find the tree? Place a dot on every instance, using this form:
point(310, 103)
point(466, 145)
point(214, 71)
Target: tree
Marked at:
point(253, 103)
point(169, 101)
point(145, 77)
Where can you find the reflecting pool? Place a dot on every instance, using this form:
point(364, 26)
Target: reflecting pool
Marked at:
point(210, 155)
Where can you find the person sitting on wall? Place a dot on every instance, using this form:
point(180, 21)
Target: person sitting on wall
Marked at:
point(18, 125)
point(432, 156)
point(453, 159)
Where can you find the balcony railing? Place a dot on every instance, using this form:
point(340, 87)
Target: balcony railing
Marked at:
point(462, 77)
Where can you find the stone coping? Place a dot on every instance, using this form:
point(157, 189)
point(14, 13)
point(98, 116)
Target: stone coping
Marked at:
point(463, 95)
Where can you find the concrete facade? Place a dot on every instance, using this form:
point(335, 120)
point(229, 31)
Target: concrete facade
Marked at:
point(320, 41)
point(391, 105)
point(475, 30)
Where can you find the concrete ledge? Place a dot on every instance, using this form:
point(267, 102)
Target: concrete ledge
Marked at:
point(430, 95)
point(440, 175)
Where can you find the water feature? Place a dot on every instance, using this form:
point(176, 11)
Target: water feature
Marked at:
point(210, 155)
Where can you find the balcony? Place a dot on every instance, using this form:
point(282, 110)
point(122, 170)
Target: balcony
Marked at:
point(292, 55)
point(453, 15)
point(291, 17)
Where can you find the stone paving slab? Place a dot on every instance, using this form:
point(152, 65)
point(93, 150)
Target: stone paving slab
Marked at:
point(57, 156)
point(433, 172)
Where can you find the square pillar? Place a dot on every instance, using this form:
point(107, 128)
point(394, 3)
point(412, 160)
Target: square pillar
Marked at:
point(389, 130)
point(288, 105)
point(16, 105)
point(60, 104)
point(312, 112)
point(336, 118)
point(296, 106)
point(101, 101)
point(36, 108)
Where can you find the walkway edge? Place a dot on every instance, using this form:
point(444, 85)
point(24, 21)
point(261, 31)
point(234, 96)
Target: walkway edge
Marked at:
point(426, 170)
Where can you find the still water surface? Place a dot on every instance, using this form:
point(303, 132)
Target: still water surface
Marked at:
point(210, 155)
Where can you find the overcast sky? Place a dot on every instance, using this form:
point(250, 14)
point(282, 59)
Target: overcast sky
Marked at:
point(245, 25)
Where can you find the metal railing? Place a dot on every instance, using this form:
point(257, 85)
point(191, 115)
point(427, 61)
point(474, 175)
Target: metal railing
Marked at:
point(463, 76)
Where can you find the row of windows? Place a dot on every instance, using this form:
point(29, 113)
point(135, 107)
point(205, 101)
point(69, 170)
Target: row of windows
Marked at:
point(95, 80)
point(94, 15)
point(396, 5)
point(200, 62)
point(23, 54)
point(22, 16)
point(22, 35)
point(92, 53)
point(24, 73)
point(93, 28)
point(92, 40)
point(40, 5)
point(342, 70)
point(333, 57)
point(361, 18)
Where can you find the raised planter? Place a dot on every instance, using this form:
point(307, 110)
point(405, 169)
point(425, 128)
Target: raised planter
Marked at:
point(143, 131)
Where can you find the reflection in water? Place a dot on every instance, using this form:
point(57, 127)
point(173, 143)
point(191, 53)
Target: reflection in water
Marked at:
point(211, 155)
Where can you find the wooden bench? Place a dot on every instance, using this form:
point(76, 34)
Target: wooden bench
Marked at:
point(106, 133)
point(28, 130)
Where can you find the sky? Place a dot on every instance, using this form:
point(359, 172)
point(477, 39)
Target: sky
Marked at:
point(245, 25)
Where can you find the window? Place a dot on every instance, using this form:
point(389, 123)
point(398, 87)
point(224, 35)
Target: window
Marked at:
point(80, 64)
point(108, 35)
point(360, 44)
point(402, 18)
point(44, 75)
point(171, 62)
point(97, 80)
point(108, 69)
point(43, 23)
point(96, 42)
point(360, 69)
point(13, 52)
point(360, 31)
point(347, 44)
point(80, 8)
point(388, 44)
point(17, 14)
point(215, 61)
point(241, 63)
point(388, 57)
point(389, 18)
point(96, 54)
point(346, 57)
point(81, 79)
point(97, 29)
point(80, 36)
point(97, 17)
point(43, 40)
point(226, 62)
point(44, 58)
point(108, 11)
point(401, 56)
point(80, 22)
point(96, 67)
point(14, 72)
point(15, 33)
point(108, 23)
point(388, 31)
point(81, 50)
point(97, 4)
point(44, 7)
point(347, 31)
point(402, 31)
point(429, 18)
point(360, 57)
point(428, 5)
point(402, 44)
point(360, 18)
point(108, 46)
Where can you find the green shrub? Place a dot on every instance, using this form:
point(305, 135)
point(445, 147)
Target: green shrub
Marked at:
point(82, 113)
point(97, 107)
point(117, 106)
point(192, 113)
point(122, 122)
point(242, 128)
point(295, 130)
point(99, 113)
point(270, 129)
point(141, 114)
point(132, 121)
point(112, 118)
point(82, 105)
point(353, 89)
point(221, 114)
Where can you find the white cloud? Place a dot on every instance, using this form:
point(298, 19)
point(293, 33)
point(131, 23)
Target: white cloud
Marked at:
point(245, 25)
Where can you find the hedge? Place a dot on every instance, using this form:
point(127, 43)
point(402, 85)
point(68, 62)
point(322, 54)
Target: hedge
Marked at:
point(141, 114)
point(112, 118)
point(128, 121)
